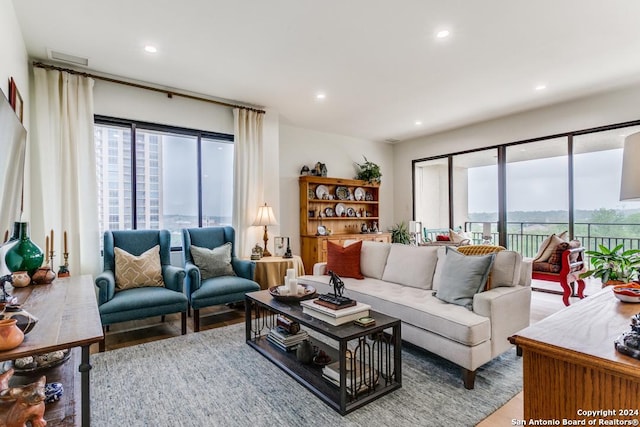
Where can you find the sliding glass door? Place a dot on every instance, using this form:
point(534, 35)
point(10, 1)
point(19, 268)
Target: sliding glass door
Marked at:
point(537, 183)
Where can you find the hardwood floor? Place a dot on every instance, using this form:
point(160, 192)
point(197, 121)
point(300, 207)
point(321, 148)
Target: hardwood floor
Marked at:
point(125, 334)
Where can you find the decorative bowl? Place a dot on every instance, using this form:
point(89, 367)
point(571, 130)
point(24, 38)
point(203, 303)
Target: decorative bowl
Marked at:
point(309, 292)
point(629, 292)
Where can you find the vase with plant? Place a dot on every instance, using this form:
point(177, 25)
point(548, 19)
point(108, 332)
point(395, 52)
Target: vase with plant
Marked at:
point(400, 233)
point(613, 266)
point(368, 171)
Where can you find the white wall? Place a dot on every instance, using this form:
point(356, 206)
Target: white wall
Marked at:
point(15, 62)
point(300, 147)
point(616, 106)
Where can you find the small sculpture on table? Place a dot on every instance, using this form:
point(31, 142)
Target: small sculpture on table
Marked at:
point(256, 253)
point(629, 342)
point(6, 297)
point(21, 405)
point(287, 253)
point(338, 289)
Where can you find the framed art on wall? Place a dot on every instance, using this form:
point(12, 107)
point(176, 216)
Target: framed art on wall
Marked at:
point(15, 99)
point(280, 245)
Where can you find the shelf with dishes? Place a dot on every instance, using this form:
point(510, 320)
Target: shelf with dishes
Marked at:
point(343, 218)
point(322, 192)
point(340, 210)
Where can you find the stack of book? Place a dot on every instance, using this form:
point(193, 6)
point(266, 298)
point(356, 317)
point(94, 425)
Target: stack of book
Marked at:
point(362, 378)
point(284, 340)
point(334, 317)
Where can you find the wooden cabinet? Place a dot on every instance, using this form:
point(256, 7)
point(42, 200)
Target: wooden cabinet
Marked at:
point(570, 364)
point(341, 206)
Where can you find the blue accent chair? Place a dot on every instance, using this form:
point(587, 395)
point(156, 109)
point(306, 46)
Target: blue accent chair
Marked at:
point(140, 303)
point(216, 290)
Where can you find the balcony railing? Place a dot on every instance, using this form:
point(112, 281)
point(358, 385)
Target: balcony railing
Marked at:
point(526, 237)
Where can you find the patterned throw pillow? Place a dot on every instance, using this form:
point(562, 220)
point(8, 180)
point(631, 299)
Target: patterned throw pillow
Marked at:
point(214, 262)
point(138, 271)
point(344, 261)
point(556, 257)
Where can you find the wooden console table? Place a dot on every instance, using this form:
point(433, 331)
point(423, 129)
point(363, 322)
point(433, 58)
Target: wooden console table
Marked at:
point(68, 317)
point(570, 364)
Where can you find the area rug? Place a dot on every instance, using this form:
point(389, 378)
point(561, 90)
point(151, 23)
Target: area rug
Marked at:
point(213, 378)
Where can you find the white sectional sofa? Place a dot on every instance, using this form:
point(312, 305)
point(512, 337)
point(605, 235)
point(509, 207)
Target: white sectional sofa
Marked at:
point(401, 281)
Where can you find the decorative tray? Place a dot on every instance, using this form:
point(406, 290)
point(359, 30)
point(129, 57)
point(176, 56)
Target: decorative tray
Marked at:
point(309, 292)
point(40, 363)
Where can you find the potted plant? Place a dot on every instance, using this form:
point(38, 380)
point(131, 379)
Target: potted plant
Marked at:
point(400, 233)
point(613, 266)
point(369, 171)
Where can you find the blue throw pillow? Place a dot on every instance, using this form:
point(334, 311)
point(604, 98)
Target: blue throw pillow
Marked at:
point(463, 277)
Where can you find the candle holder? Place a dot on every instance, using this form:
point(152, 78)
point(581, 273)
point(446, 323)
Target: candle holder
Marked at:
point(64, 269)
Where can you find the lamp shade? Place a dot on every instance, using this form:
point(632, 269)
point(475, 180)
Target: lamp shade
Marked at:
point(265, 216)
point(630, 182)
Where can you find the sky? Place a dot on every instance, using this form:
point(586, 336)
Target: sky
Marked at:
point(543, 184)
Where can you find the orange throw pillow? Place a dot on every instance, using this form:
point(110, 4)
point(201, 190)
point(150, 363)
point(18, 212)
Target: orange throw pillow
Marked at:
point(344, 261)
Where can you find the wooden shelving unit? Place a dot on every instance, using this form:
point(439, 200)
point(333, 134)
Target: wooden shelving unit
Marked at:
point(313, 213)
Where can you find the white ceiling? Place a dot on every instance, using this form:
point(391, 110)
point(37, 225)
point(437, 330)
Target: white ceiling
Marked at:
point(378, 61)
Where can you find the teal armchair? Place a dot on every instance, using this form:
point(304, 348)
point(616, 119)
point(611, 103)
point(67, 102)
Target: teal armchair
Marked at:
point(215, 290)
point(139, 303)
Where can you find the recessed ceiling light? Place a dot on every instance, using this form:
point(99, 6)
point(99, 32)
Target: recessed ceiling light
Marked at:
point(150, 49)
point(418, 123)
point(541, 87)
point(321, 96)
point(442, 34)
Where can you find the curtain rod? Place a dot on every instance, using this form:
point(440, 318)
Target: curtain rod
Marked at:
point(169, 93)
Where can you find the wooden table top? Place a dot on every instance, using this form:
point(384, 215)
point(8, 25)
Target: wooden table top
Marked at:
point(67, 312)
point(585, 332)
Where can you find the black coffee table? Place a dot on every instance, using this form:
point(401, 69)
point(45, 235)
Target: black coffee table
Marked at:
point(377, 347)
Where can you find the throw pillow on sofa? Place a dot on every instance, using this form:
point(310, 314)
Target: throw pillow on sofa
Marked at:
point(462, 277)
point(138, 271)
point(344, 261)
point(213, 262)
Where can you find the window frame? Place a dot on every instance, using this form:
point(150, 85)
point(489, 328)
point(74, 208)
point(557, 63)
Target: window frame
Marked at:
point(133, 126)
point(502, 164)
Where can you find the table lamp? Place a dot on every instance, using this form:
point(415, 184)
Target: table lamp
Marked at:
point(630, 182)
point(265, 218)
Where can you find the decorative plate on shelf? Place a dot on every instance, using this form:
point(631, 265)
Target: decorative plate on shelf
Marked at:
point(342, 193)
point(359, 194)
point(340, 209)
point(351, 212)
point(329, 212)
point(307, 293)
point(321, 191)
point(311, 194)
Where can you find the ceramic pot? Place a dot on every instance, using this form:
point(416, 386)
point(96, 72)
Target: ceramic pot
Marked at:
point(304, 353)
point(43, 276)
point(21, 279)
point(10, 335)
point(25, 320)
point(24, 255)
point(53, 392)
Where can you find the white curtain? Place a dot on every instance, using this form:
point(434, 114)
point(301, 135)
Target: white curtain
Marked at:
point(63, 191)
point(248, 187)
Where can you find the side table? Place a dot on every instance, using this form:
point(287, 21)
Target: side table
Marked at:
point(270, 271)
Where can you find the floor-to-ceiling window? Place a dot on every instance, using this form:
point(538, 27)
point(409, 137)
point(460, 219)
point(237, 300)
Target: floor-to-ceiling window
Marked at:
point(153, 177)
point(475, 194)
point(518, 193)
point(537, 193)
point(431, 182)
point(600, 216)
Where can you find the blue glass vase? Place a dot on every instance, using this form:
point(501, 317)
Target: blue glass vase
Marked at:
point(24, 255)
